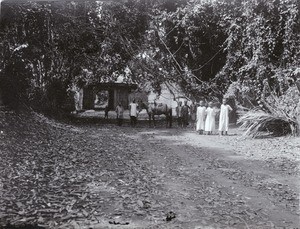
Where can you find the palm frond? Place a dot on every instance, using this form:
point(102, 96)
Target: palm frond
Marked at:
point(276, 123)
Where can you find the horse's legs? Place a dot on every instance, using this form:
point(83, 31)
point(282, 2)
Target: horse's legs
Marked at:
point(149, 119)
point(169, 118)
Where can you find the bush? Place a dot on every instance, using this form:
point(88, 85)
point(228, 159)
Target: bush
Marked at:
point(255, 121)
point(278, 115)
point(15, 83)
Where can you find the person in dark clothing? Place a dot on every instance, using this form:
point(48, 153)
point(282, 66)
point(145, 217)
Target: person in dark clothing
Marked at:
point(185, 114)
point(106, 110)
point(193, 112)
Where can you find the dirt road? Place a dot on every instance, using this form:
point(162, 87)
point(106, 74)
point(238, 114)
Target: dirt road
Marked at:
point(207, 183)
point(84, 175)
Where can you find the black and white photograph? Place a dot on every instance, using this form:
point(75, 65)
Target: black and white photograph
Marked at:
point(149, 114)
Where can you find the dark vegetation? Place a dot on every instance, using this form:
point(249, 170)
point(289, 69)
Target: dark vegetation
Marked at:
point(246, 50)
point(52, 173)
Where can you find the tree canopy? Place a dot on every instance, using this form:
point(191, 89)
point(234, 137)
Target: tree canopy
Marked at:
point(209, 48)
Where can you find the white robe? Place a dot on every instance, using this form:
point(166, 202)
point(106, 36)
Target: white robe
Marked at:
point(210, 122)
point(224, 117)
point(200, 118)
point(133, 109)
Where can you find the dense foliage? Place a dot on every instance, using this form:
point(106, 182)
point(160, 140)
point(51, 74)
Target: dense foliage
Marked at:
point(46, 49)
point(248, 50)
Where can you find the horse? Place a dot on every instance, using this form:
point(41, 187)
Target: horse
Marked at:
point(157, 109)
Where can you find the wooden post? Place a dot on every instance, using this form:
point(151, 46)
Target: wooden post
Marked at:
point(111, 99)
point(298, 85)
point(233, 114)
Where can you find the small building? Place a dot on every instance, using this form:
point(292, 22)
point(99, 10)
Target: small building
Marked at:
point(108, 94)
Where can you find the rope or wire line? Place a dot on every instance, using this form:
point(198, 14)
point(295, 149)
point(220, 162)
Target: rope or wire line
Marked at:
point(208, 61)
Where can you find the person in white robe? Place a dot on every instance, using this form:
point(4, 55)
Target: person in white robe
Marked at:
point(179, 114)
point(210, 121)
point(133, 112)
point(200, 125)
point(224, 117)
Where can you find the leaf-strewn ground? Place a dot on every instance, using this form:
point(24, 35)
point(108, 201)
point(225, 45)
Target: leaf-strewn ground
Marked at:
point(101, 176)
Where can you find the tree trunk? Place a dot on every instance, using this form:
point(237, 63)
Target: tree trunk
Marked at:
point(298, 85)
point(298, 117)
point(1, 102)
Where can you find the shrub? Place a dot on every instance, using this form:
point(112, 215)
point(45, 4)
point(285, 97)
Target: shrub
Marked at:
point(278, 115)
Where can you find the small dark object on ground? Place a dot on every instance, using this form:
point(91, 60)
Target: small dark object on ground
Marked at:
point(118, 223)
point(170, 215)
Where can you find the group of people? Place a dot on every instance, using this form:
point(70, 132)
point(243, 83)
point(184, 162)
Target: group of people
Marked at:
point(203, 118)
point(133, 113)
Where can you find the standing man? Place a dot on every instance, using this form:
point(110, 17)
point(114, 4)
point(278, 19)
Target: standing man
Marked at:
point(201, 113)
point(106, 110)
point(179, 113)
point(119, 111)
point(224, 117)
point(185, 114)
point(133, 109)
point(193, 112)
